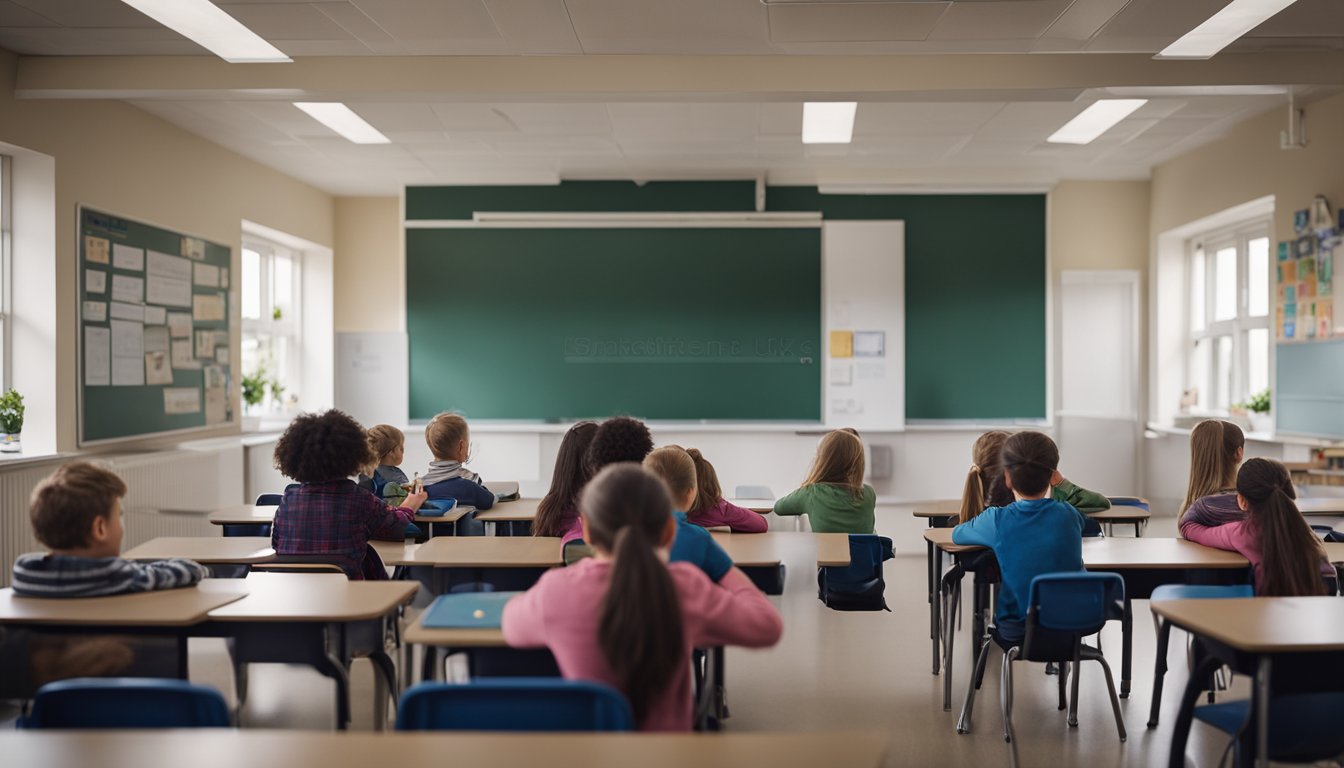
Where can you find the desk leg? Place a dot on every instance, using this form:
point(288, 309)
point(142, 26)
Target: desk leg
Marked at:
point(1127, 640)
point(721, 680)
point(1262, 712)
point(980, 593)
point(1180, 733)
point(935, 603)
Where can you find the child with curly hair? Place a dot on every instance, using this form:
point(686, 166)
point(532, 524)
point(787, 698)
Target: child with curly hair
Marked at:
point(327, 513)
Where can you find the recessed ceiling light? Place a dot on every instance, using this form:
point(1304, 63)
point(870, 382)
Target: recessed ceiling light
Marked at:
point(828, 122)
point(205, 24)
point(1219, 30)
point(1095, 120)
point(343, 120)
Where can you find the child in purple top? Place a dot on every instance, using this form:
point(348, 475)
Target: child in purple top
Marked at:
point(1286, 555)
point(712, 509)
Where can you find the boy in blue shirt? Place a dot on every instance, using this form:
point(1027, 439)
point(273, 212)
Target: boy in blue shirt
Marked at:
point(1033, 535)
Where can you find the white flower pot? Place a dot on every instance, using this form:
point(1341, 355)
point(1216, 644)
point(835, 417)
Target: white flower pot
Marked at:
point(10, 443)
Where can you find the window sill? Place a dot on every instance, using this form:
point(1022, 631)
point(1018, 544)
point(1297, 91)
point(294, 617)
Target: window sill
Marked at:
point(1154, 430)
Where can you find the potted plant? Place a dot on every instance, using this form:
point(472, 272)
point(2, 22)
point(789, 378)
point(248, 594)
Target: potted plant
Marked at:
point(1257, 410)
point(254, 391)
point(11, 421)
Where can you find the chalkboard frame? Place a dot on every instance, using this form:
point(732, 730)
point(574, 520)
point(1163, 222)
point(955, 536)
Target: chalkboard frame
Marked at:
point(232, 419)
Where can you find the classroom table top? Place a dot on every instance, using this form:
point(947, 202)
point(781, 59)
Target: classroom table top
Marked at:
point(769, 548)
point(260, 748)
point(489, 552)
point(242, 550)
point(161, 608)
point(312, 597)
point(451, 516)
point(453, 637)
point(395, 552)
point(1262, 624)
point(946, 507)
point(251, 514)
point(759, 506)
point(519, 510)
point(1107, 552)
point(1321, 505)
point(937, 507)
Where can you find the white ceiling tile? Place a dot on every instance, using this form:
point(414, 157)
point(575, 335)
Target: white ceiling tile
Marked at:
point(290, 21)
point(853, 22)
point(441, 20)
point(1153, 24)
point(1304, 18)
point(468, 118)
point(658, 26)
point(1008, 19)
point(295, 48)
point(89, 13)
point(397, 116)
point(535, 26)
point(680, 122)
point(1081, 20)
point(1032, 121)
point(14, 15)
point(910, 119)
point(358, 24)
point(62, 41)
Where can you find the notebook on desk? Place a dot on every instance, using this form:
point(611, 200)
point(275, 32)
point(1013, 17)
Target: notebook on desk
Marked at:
point(505, 490)
point(436, 507)
point(469, 609)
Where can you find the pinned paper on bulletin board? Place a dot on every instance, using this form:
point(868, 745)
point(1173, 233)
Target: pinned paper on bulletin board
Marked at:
point(842, 343)
point(870, 344)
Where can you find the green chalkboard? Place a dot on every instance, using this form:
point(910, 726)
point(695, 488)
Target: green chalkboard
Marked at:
point(567, 323)
point(144, 290)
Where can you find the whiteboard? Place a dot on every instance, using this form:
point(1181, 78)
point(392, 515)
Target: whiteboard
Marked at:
point(371, 377)
point(863, 294)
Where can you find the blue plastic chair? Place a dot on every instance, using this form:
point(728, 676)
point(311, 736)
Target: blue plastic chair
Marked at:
point(514, 704)
point(1063, 608)
point(1182, 592)
point(1303, 727)
point(126, 702)
point(259, 529)
point(858, 586)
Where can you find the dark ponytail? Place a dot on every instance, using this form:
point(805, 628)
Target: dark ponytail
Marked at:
point(1291, 554)
point(639, 630)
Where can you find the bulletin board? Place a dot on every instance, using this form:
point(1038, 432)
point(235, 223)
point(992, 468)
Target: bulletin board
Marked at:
point(154, 338)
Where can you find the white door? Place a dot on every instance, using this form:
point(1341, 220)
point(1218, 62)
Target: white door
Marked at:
point(1098, 416)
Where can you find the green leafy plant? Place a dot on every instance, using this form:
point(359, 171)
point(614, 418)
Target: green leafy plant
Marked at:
point(254, 387)
point(276, 314)
point(277, 389)
point(11, 412)
point(1259, 402)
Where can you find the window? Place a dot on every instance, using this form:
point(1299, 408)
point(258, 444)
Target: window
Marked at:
point(6, 164)
point(271, 325)
point(1228, 339)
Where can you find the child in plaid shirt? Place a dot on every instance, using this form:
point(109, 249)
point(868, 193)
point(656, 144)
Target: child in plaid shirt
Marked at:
point(327, 513)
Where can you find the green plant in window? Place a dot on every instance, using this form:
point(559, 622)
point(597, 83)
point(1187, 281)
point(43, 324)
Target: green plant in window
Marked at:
point(277, 390)
point(11, 412)
point(254, 387)
point(276, 314)
point(1259, 402)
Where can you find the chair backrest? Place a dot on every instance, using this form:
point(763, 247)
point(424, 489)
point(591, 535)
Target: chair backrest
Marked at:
point(514, 704)
point(126, 702)
point(1075, 602)
point(269, 499)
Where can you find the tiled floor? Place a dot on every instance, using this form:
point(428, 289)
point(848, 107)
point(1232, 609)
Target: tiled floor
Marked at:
point(851, 670)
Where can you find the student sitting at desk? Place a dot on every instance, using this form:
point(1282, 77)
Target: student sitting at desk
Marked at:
point(449, 439)
point(1286, 555)
point(692, 543)
point(558, 511)
point(628, 619)
point(1033, 535)
point(834, 496)
point(388, 444)
point(985, 485)
point(327, 514)
point(1216, 449)
point(711, 509)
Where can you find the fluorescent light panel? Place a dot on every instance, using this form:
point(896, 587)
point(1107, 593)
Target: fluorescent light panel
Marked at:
point(828, 122)
point(1095, 120)
point(343, 120)
point(205, 24)
point(1219, 30)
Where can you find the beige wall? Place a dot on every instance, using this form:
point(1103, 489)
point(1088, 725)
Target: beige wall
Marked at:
point(1248, 164)
point(370, 266)
point(1099, 225)
point(121, 159)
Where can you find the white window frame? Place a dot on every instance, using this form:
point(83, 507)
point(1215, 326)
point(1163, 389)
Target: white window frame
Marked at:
point(6, 270)
point(1209, 243)
point(289, 326)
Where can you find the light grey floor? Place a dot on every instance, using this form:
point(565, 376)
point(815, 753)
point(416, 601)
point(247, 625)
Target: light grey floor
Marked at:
point(838, 670)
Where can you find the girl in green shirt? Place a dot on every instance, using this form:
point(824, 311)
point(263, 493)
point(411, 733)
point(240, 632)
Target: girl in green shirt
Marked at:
point(834, 496)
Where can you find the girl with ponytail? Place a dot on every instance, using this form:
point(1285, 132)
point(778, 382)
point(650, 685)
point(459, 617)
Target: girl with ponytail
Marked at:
point(709, 508)
point(1216, 448)
point(626, 617)
point(1287, 556)
point(985, 486)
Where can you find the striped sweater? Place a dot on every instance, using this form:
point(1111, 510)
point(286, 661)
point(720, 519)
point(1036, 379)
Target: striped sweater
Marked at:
point(39, 575)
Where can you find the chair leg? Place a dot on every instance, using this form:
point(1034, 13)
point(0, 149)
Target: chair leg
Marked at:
point(1077, 676)
point(953, 605)
point(1063, 683)
point(1115, 700)
point(1006, 697)
point(964, 722)
point(1159, 670)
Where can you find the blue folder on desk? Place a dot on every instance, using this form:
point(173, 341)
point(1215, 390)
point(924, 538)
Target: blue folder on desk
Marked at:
point(436, 507)
point(468, 609)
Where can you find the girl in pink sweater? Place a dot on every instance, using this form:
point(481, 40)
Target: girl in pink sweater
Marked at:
point(626, 617)
point(1286, 555)
point(711, 508)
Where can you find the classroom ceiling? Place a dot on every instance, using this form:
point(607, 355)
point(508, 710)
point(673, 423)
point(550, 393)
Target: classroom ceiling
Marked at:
point(954, 94)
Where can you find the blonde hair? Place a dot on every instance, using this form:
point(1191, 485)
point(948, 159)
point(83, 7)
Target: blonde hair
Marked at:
point(708, 492)
point(444, 432)
point(1213, 459)
point(384, 439)
point(839, 461)
point(987, 467)
point(676, 468)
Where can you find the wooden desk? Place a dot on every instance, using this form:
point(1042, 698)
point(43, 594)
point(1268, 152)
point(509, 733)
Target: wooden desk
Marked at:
point(935, 508)
point(314, 597)
point(489, 552)
point(224, 748)
point(768, 549)
point(395, 553)
point(1321, 505)
point(162, 608)
point(242, 550)
point(1255, 633)
point(759, 506)
point(522, 510)
point(243, 514)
